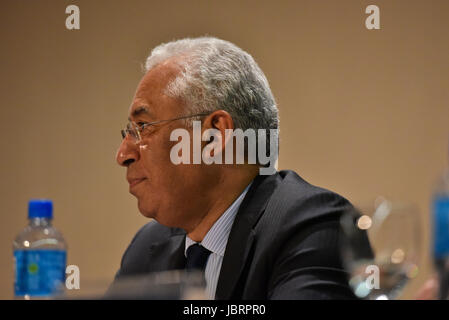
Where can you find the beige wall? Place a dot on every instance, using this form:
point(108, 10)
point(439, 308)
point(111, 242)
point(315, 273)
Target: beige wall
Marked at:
point(362, 112)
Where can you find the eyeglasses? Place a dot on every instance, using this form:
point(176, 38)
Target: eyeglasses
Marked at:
point(135, 131)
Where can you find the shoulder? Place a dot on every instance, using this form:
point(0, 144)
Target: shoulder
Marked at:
point(299, 236)
point(134, 259)
point(297, 196)
point(152, 233)
point(299, 188)
point(297, 206)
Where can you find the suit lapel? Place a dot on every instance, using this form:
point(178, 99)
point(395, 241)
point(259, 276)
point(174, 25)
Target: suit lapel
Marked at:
point(242, 235)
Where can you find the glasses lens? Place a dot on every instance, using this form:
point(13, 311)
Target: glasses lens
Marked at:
point(131, 130)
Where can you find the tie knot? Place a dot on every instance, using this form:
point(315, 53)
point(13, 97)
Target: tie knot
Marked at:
point(197, 257)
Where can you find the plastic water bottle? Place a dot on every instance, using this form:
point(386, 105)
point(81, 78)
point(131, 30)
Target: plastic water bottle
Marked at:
point(441, 232)
point(39, 255)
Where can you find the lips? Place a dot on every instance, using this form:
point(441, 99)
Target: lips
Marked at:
point(135, 181)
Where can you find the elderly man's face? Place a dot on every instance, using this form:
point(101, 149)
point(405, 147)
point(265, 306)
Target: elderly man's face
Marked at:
point(164, 191)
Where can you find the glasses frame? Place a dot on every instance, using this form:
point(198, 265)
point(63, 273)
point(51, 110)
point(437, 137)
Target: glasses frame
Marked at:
point(135, 131)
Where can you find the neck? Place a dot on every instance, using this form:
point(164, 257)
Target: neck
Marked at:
point(226, 192)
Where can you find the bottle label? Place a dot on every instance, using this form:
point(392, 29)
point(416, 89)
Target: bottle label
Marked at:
point(39, 272)
point(441, 227)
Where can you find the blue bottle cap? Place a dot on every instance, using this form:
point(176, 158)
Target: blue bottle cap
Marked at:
point(40, 208)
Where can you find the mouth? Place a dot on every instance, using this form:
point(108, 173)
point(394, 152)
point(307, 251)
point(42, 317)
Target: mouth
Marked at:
point(135, 182)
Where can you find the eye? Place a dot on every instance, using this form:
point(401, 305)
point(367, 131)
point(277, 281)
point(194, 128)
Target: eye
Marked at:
point(145, 128)
point(141, 125)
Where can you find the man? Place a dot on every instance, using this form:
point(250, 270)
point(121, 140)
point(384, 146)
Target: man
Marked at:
point(261, 236)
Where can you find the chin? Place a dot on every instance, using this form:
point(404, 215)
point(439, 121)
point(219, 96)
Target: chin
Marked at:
point(146, 212)
point(152, 213)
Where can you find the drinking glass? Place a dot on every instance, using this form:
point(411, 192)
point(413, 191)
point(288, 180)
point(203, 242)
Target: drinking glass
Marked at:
point(380, 248)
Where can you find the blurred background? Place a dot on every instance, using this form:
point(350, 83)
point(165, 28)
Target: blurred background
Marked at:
point(363, 112)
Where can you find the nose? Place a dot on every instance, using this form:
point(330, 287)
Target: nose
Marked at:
point(127, 152)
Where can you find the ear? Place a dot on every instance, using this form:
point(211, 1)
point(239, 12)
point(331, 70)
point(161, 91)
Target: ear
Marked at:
point(218, 120)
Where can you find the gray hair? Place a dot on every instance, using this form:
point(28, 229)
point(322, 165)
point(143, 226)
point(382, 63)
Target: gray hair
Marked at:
point(218, 75)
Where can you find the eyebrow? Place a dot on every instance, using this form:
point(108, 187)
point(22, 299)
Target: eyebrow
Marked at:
point(139, 111)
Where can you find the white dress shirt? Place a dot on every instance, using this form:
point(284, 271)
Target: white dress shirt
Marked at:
point(215, 241)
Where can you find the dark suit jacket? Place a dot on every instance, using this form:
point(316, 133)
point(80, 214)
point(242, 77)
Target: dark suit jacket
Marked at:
point(284, 244)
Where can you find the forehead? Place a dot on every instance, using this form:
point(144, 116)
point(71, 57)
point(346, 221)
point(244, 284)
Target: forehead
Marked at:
point(150, 98)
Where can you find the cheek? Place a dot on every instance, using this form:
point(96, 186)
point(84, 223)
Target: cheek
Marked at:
point(155, 161)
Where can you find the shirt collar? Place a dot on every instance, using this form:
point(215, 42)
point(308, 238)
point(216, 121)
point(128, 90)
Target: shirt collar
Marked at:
point(217, 237)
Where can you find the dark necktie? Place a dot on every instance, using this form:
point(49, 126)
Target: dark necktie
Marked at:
point(197, 257)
